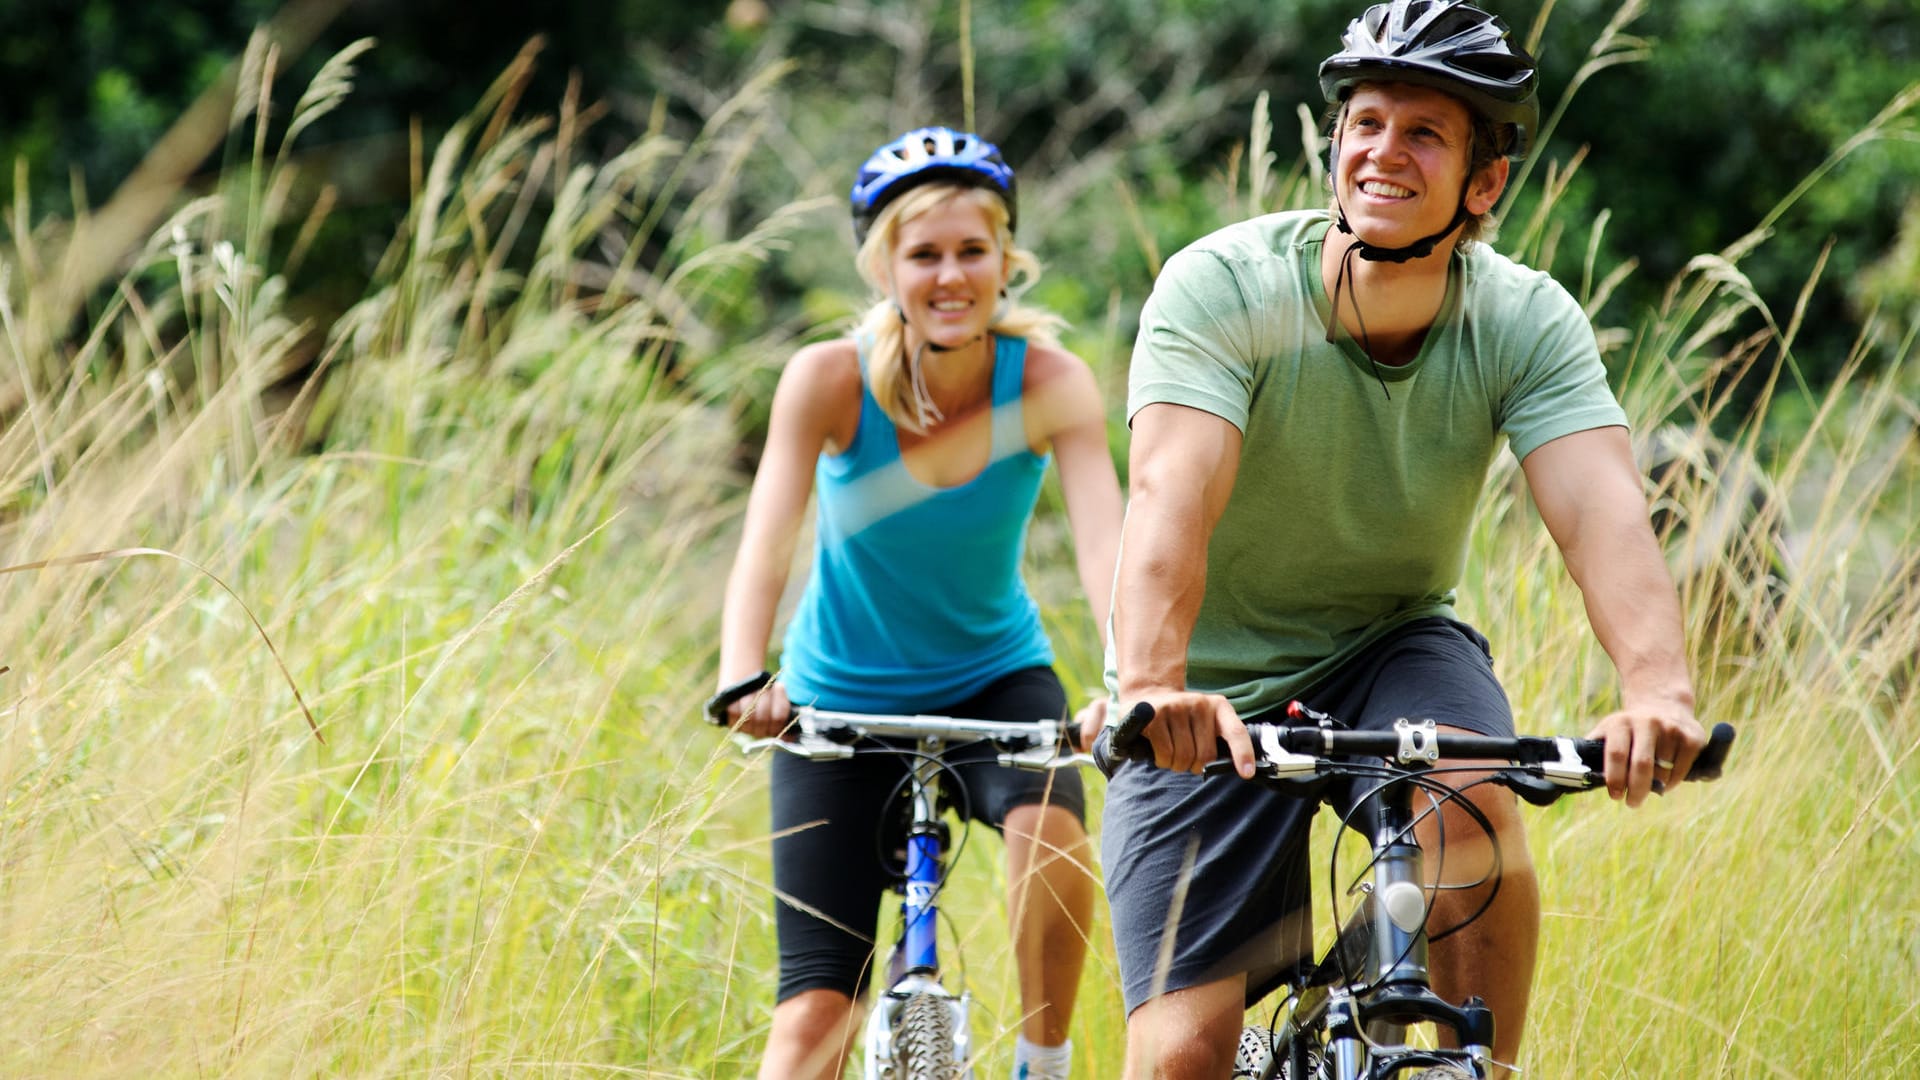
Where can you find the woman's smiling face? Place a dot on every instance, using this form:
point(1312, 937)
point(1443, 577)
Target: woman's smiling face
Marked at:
point(948, 270)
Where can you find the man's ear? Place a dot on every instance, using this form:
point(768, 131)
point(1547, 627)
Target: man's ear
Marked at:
point(1487, 185)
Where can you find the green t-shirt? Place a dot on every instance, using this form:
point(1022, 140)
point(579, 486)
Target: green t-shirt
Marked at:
point(1351, 512)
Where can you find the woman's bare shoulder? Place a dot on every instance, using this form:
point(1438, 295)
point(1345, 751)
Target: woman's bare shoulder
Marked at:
point(824, 371)
point(1052, 368)
point(820, 388)
point(1060, 392)
point(838, 358)
point(1051, 359)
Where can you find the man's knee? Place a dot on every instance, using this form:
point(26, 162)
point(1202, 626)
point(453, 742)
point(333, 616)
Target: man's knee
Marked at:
point(1186, 1033)
point(1476, 836)
point(1474, 869)
point(1171, 1053)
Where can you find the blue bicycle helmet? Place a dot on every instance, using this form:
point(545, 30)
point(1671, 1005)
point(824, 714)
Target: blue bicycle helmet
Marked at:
point(923, 155)
point(1447, 45)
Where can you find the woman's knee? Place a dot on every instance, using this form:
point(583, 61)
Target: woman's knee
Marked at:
point(1049, 843)
point(812, 1031)
point(1053, 828)
point(813, 1015)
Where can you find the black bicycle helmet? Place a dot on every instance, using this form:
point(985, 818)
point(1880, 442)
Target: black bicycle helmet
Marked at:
point(1447, 45)
point(923, 155)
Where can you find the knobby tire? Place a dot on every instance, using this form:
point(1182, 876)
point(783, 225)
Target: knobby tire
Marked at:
point(1261, 1056)
point(923, 1043)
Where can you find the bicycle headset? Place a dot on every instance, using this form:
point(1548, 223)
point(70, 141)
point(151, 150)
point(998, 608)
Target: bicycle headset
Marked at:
point(922, 156)
point(1446, 45)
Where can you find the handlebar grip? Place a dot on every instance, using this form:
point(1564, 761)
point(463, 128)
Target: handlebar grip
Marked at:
point(1713, 756)
point(1118, 743)
point(716, 706)
point(1070, 733)
point(1706, 765)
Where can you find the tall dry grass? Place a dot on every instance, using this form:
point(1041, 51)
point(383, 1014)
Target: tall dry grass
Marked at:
point(491, 580)
point(486, 535)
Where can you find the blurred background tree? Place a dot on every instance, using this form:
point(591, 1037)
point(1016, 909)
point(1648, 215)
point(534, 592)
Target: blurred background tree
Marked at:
point(1127, 119)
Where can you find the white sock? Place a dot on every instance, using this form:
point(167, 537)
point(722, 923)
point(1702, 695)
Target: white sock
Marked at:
point(1031, 1062)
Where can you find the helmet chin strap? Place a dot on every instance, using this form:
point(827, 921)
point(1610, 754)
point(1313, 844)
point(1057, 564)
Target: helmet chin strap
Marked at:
point(1419, 249)
point(929, 413)
point(936, 346)
point(967, 344)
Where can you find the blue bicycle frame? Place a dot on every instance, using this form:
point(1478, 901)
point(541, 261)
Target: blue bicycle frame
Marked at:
point(915, 966)
point(925, 865)
point(914, 1004)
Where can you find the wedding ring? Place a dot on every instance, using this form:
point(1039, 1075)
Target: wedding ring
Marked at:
point(1662, 763)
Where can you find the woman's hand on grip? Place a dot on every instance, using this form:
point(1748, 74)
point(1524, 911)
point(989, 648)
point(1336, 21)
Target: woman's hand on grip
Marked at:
point(763, 714)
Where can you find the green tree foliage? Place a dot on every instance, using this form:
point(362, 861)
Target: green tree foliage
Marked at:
point(1129, 121)
point(1735, 105)
point(90, 86)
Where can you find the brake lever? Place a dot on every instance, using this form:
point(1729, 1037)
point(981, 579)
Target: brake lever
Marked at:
point(1534, 788)
point(1568, 771)
point(1044, 758)
point(1045, 753)
point(1282, 763)
point(810, 741)
point(1273, 761)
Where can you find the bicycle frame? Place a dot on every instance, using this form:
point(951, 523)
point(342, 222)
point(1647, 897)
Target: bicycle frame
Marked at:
point(1367, 1011)
point(916, 1002)
point(1351, 1011)
point(916, 966)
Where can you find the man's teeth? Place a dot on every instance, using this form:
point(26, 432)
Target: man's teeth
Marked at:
point(1381, 187)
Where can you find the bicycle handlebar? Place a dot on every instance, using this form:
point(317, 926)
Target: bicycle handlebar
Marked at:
point(819, 734)
point(1306, 750)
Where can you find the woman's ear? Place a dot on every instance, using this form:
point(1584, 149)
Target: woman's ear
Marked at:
point(1487, 185)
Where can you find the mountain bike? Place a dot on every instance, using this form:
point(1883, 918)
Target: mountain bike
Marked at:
point(918, 1028)
point(1347, 1015)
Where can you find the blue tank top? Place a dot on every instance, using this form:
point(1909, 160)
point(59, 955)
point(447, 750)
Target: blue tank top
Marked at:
point(915, 600)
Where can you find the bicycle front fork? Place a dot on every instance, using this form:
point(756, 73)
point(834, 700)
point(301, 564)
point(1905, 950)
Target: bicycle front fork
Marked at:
point(1398, 990)
point(883, 1057)
point(918, 1024)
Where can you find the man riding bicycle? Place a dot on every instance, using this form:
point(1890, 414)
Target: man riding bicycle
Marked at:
point(1315, 399)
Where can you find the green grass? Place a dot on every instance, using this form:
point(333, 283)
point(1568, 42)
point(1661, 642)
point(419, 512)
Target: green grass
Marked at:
point(488, 539)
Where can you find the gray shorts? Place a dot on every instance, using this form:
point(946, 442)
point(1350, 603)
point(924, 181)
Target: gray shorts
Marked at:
point(1231, 856)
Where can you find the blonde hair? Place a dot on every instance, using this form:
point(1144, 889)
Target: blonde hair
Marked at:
point(883, 327)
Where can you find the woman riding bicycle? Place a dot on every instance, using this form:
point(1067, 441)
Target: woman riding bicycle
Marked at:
point(1315, 399)
point(925, 436)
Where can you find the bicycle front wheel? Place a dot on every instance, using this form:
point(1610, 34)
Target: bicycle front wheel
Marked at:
point(923, 1041)
point(1262, 1055)
point(1253, 1060)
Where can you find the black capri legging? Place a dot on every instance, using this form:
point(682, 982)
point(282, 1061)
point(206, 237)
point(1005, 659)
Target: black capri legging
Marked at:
point(833, 865)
